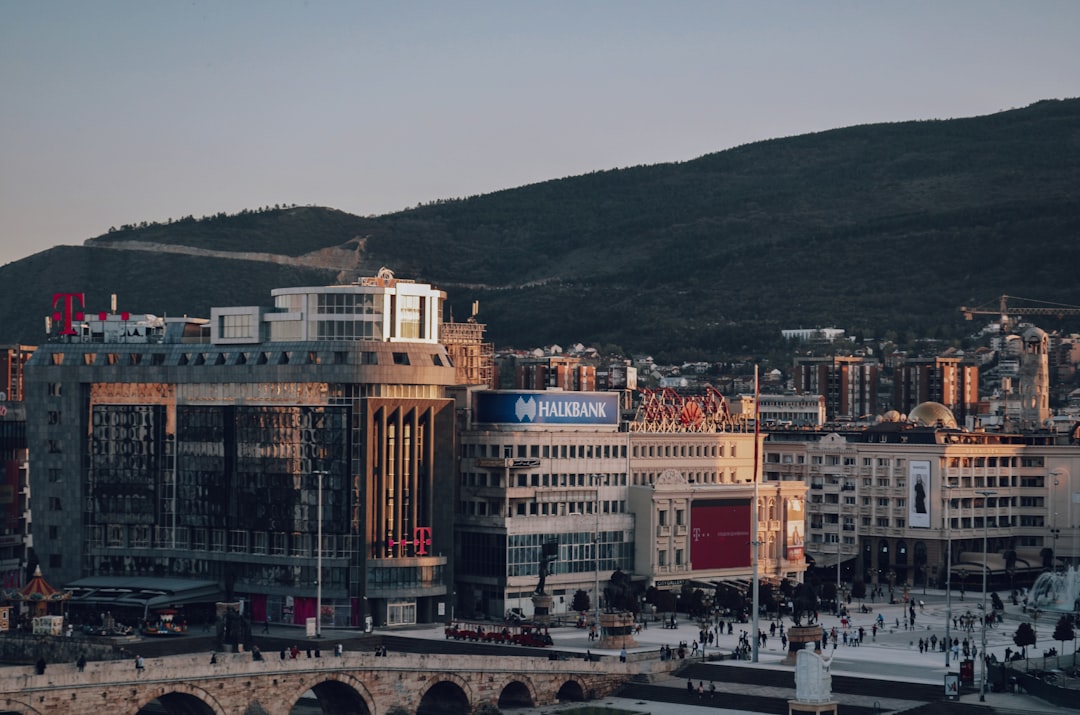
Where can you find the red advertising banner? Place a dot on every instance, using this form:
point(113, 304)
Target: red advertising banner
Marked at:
point(720, 534)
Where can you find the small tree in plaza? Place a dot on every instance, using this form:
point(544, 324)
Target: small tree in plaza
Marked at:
point(580, 602)
point(1024, 636)
point(1064, 632)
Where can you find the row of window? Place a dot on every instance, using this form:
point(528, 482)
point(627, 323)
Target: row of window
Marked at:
point(234, 541)
point(544, 451)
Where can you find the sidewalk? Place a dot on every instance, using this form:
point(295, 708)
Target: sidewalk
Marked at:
point(892, 658)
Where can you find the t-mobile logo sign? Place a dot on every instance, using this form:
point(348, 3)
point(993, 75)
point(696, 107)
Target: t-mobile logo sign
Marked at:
point(69, 310)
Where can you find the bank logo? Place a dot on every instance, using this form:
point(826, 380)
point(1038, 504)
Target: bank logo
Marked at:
point(525, 408)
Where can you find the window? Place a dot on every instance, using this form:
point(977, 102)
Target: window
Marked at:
point(235, 326)
point(400, 613)
point(401, 358)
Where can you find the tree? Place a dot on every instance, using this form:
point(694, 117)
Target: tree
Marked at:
point(1024, 636)
point(829, 594)
point(1064, 630)
point(580, 602)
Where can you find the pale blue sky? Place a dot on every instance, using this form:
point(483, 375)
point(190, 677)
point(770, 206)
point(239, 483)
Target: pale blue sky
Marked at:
point(117, 112)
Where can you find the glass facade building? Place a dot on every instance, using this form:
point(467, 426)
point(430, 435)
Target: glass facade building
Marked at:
point(207, 450)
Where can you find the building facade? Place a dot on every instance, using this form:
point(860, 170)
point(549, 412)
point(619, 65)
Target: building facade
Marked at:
point(849, 384)
point(223, 450)
point(949, 381)
point(889, 501)
point(666, 501)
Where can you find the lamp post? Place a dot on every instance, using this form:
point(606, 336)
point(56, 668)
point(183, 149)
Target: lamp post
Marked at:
point(319, 557)
point(986, 494)
point(839, 556)
point(754, 526)
point(948, 571)
point(596, 557)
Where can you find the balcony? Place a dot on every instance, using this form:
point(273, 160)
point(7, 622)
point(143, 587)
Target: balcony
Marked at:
point(663, 530)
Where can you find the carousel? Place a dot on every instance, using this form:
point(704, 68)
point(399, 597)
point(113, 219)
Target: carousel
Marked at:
point(36, 597)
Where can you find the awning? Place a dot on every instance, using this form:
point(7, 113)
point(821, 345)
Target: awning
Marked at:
point(828, 559)
point(144, 593)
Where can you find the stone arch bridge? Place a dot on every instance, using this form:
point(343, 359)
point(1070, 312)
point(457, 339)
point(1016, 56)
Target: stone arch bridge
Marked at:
point(353, 683)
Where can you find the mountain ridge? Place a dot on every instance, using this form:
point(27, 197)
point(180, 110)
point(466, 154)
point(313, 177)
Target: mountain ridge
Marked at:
point(872, 228)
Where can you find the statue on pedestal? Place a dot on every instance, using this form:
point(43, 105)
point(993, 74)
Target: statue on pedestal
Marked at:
point(549, 552)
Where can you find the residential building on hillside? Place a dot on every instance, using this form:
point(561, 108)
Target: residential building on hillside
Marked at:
point(849, 384)
point(949, 381)
point(783, 410)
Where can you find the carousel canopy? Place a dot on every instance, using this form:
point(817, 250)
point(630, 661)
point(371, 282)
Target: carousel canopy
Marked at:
point(37, 590)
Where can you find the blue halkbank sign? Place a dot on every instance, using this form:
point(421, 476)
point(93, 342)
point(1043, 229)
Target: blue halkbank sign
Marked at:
point(547, 408)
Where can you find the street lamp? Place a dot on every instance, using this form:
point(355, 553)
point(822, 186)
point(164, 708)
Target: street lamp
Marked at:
point(596, 557)
point(986, 494)
point(948, 571)
point(318, 559)
point(839, 541)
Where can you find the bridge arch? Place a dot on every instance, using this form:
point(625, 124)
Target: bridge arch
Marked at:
point(336, 692)
point(517, 693)
point(15, 707)
point(181, 699)
point(571, 690)
point(445, 697)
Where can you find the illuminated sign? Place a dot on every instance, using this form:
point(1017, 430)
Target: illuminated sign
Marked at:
point(69, 312)
point(549, 408)
point(420, 542)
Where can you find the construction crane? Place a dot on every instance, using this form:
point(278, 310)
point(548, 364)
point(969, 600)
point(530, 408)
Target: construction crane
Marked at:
point(1006, 312)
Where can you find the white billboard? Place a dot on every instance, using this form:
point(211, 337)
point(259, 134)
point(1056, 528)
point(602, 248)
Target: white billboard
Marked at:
point(919, 494)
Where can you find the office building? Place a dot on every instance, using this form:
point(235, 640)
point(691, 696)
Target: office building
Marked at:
point(218, 450)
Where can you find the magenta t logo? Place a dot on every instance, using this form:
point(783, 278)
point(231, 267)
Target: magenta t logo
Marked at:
point(69, 310)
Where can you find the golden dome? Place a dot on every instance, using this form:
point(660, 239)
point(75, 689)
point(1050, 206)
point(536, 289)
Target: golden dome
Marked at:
point(932, 414)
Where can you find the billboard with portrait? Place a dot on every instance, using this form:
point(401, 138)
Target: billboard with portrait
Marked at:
point(720, 533)
point(795, 529)
point(919, 494)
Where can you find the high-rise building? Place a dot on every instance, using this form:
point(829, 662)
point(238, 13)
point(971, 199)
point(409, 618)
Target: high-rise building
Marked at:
point(945, 380)
point(848, 383)
point(219, 451)
point(16, 539)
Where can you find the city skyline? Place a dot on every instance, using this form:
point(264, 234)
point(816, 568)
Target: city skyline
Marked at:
point(123, 112)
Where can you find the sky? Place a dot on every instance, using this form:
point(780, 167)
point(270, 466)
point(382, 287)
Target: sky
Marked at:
point(116, 112)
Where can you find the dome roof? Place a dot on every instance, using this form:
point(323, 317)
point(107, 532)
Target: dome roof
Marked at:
point(891, 416)
point(932, 414)
point(1034, 335)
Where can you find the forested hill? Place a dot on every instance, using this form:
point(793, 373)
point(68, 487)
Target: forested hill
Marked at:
point(875, 228)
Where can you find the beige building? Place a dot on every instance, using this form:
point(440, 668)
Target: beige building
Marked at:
point(664, 494)
point(887, 500)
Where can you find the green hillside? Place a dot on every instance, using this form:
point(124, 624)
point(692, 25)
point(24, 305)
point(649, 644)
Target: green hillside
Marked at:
point(872, 228)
